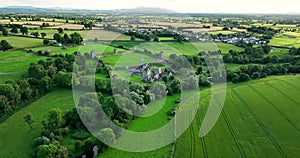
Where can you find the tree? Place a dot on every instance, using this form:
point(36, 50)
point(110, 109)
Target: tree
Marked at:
point(147, 38)
point(58, 38)
point(132, 38)
point(46, 41)
point(66, 38)
point(156, 39)
point(4, 45)
point(60, 30)
point(36, 34)
point(266, 49)
point(244, 77)
point(24, 30)
point(47, 151)
point(4, 32)
point(43, 34)
point(107, 135)
point(14, 30)
point(53, 123)
point(76, 38)
point(255, 75)
point(28, 119)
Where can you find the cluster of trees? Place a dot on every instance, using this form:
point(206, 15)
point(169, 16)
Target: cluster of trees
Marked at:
point(4, 45)
point(249, 55)
point(246, 73)
point(294, 51)
point(14, 28)
point(74, 38)
point(256, 55)
point(267, 31)
point(42, 78)
point(142, 35)
point(3, 30)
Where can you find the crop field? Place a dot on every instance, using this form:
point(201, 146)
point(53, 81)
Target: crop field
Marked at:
point(247, 127)
point(267, 126)
point(35, 23)
point(288, 39)
point(14, 130)
point(22, 42)
point(70, 26)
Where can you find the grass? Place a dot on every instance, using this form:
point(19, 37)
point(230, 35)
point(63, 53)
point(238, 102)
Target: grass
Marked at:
point(267, 126)
point(186, 48)
point(22, 42)
point(99, 48)
point(287, 39)
point(130, 59)
point(165, 38)
point(86, 34)
point(226, 32)
point(16, 137)
point(15, 63)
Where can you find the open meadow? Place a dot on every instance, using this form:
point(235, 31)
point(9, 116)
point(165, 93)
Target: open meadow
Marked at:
point(14, 130)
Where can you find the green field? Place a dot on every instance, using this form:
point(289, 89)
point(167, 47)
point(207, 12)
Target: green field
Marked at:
point(130, 59)
point(16, 137)
point(86, 34)
point(22, 42)
point(267, 126)
point(287, 39)
point(186, 48)
point(165, 38)
point(226, 32)
point(15, 63)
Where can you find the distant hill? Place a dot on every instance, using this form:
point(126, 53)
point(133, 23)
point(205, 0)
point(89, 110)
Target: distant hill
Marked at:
point(31, 9)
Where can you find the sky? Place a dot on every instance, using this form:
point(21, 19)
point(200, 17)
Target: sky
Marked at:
point(183, 6)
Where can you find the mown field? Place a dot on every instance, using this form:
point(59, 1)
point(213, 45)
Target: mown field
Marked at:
point(86, 34)
point(186, 48)
point(14, 64)
point(16, 137)
point(267, 126)
point(22, 42)
point(287, 39)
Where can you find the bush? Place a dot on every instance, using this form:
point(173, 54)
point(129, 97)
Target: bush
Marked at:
point(235, 80)
point(46, 41)
point(172, 112)
point(80, 135)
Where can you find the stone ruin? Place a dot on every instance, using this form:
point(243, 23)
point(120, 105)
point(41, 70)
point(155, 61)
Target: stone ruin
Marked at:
point(116, 51)
point(150, 75)
point(142, 61)
point(93, 54)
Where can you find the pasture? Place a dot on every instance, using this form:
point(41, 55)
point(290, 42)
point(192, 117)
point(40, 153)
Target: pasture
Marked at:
point(186, 48)
point(99, 48)
point(22, 42)
point(86, 34)
point(16, 137)
point(14, 64)
point(287, 39)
